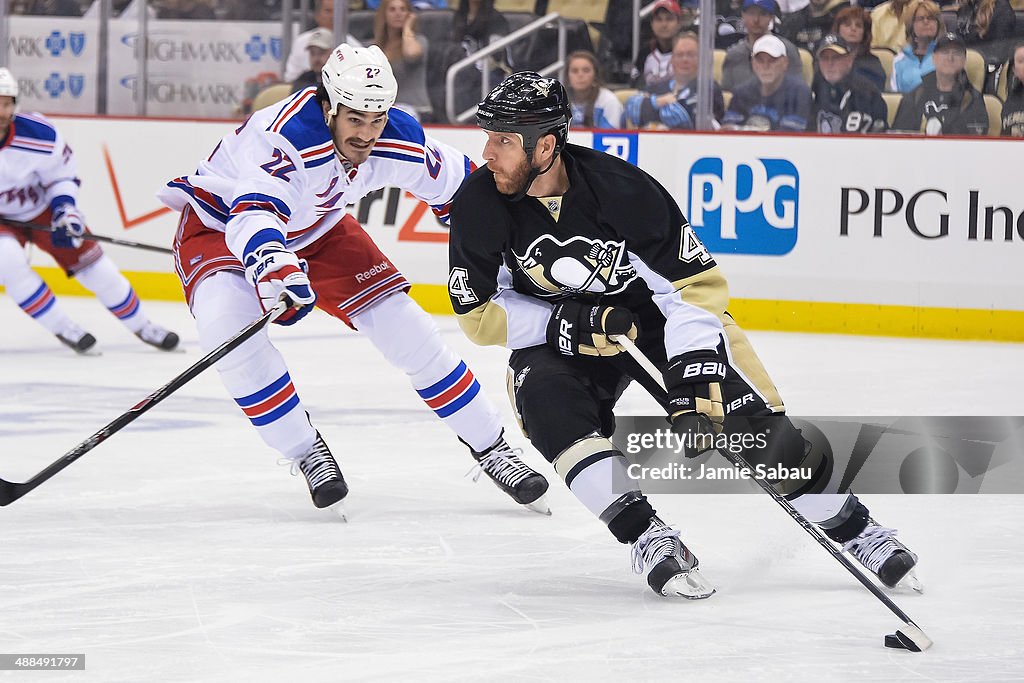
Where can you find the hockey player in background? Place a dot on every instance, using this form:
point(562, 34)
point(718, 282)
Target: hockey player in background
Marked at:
point(38, 184)
point(263, 218)
point(554, 248)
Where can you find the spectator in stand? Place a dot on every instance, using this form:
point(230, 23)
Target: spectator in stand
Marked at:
point(945, 103)
point(688, 16)
point(475, 25)
point(593, 105)
point(53, 8)
point(915, 59)
point(808, 26)
point(417, 4)
point(844, 101)
point(1013, 109)
point(853, 25)
point(243, 10)
point(987, 26)
point(674, 104)
point(298, 59)
point(184, 9)
point(889, 24)
point(120, 9)
point(757, 18)
point(394, 32)
point(775, 99)
point(654, 62)
point(319, 48)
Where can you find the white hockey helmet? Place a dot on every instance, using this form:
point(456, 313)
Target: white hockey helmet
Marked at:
point(8, 84)
point(359, 78)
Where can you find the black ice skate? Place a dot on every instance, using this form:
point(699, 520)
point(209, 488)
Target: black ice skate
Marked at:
point(501, 463)
point(670, 567)
point(327, 486)
point(78, 339)
point(877, 549)
point(154, 335)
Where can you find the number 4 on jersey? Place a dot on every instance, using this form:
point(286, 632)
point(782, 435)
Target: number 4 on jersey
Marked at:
point(691, 248)
point(458, 287)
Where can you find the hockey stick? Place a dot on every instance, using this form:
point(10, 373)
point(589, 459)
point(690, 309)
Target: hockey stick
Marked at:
point(11, 491)
point(911, 637)
point(95, 238)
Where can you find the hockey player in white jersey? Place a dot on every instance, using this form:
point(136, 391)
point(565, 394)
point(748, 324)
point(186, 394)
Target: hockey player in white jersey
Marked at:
point(264, 218)
point(38, 184)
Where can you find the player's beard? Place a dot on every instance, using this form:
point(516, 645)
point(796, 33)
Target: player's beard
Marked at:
point(514, 182)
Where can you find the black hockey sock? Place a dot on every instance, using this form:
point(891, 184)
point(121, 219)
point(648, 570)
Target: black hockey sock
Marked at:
point(632, 521)
point(852, 527)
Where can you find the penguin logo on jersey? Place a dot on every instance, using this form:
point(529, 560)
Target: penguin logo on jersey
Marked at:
point(577, 265)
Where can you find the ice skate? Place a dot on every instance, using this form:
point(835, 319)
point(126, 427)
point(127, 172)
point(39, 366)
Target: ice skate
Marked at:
point(154, 335)
point(509, 473)
point(79, 340)
point(670, 567)
point(877, 549)
point(327, 486)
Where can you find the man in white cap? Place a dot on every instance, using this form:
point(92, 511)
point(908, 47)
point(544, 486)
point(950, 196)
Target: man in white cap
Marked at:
point(757, 17)
point(774, 99)
point(263, 220)
point(319, 47)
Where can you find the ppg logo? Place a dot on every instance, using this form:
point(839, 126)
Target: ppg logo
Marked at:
point(746, 208)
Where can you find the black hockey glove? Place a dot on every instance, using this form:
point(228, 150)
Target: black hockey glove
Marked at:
point(576, 329)
point(693, 381)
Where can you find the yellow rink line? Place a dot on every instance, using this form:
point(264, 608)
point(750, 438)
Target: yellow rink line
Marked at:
point(753, 314)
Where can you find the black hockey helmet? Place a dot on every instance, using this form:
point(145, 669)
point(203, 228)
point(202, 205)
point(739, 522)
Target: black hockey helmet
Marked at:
point(528, 104)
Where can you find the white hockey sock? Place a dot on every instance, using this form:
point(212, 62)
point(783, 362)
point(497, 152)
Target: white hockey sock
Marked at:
point(114, 291)
point(408, 338)
point(255, 373)
point(596, 473)
point(28, 289)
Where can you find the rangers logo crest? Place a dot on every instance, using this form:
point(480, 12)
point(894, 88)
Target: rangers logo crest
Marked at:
point(577, 265)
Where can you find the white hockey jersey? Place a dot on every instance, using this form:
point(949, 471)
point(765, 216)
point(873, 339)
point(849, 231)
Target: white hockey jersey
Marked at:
point(36, 165)
point(279, 170)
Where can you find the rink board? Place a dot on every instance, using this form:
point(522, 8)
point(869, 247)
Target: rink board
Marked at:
point(814, 234)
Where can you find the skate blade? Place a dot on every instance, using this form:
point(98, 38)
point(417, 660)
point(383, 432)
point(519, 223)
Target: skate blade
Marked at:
point(540, 506)
point(910, 581)
point(339, 509)
point(690, 585)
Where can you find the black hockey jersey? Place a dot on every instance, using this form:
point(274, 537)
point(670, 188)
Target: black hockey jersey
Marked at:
point(619, 239)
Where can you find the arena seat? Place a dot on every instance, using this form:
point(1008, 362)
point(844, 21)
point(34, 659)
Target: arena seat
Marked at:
point(271, 95)
point(892, 103)
point(994, 107)
point(885, 56)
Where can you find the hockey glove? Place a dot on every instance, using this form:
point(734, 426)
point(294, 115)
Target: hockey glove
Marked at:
point(278, 274)
point(693, 381)
point(576, 329)
point(68, 226)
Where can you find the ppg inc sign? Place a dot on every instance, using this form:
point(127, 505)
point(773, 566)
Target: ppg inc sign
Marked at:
point(744, 208)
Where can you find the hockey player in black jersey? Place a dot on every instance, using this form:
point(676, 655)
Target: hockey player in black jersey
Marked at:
point(554, 249)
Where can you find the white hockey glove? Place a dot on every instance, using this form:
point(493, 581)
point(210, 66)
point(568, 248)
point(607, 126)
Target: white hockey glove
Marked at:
point(278, 274)
point(68, 226)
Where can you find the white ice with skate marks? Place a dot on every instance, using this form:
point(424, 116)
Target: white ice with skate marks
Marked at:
point(179, 551)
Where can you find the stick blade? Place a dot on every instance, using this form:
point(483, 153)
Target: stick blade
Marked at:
point(8, 493)
point(911, 637)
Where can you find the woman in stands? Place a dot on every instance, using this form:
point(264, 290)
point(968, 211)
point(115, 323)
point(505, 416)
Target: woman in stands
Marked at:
point(593, 105)
point(889, 20)
point(853, 24)
point(988, 27)
point(915, 60)
point(394, 32)
point(1013, 108)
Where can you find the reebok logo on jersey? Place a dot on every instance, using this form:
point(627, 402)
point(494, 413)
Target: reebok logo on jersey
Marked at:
point(375, 270)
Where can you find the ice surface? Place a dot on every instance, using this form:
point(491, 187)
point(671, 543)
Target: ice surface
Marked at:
point(179, 550)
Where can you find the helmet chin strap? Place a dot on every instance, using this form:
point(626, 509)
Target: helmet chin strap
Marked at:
point(531, 176)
